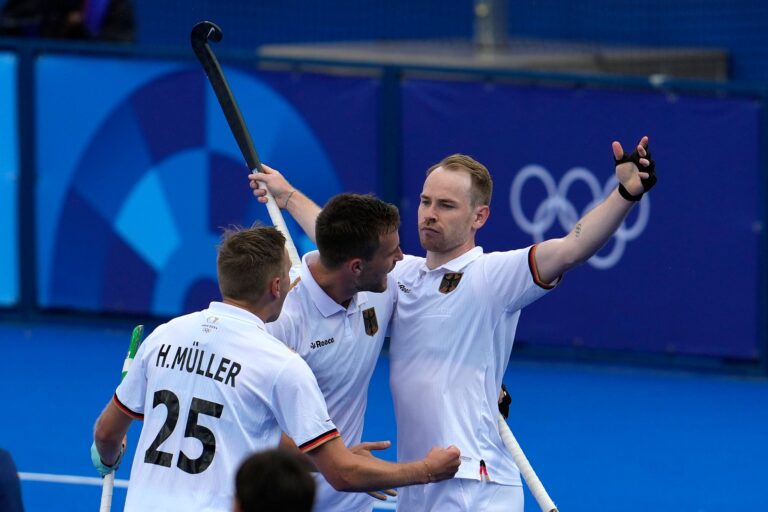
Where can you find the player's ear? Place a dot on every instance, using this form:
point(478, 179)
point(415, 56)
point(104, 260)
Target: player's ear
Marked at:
point(482, 212)
point(274, 287)
point(355, 266)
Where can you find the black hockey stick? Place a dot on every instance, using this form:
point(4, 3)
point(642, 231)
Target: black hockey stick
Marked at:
point(203, 32)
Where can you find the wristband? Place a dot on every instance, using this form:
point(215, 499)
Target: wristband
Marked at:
point(285, 205)
point(626, 195)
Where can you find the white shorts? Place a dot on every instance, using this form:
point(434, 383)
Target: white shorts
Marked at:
point(460, 495)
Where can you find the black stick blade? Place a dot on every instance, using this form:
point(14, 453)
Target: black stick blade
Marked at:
point(204, 31)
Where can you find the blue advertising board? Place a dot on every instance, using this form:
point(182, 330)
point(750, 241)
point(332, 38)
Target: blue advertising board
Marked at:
point(139, 173)
point(9, 175)
point(681, 276)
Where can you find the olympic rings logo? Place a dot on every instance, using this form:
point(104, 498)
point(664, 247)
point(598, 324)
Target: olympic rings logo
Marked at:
point(557, 206)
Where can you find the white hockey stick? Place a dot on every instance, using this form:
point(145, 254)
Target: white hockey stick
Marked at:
point(108, 482)
point(532, 481)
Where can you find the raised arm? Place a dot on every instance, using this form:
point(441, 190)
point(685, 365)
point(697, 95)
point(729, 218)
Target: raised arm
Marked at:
point(556, 256)
point(348, 471)
point(301, 208)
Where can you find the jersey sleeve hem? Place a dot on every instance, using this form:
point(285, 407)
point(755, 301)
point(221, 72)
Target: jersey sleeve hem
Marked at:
point(126, 410)
point(319, 440)
point(535, 271)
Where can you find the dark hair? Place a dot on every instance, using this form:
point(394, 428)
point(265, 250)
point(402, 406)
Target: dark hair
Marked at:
point(274, 481)
point(349, 226)
point(248, 259)
point(482, 184)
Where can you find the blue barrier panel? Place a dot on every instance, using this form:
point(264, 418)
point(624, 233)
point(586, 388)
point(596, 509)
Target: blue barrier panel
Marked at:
point(9, 173)
point(681, 276)
point(138, 172)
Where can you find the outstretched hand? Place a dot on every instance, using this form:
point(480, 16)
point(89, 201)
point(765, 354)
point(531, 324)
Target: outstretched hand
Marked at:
point(364, 450)
point(275, 182)
point(635, 171)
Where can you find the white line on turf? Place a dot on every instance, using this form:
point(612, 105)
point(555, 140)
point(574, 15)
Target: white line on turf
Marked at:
point(390, 504)
point(67, 479)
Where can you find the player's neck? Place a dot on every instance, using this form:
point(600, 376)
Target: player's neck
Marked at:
point(435, 259)
point(264, 312)
point(333, 283)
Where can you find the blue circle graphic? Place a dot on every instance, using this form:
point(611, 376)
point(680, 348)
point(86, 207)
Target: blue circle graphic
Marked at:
point(156, 184)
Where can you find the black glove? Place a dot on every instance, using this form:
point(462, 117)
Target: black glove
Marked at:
point(648, 182)
point(506, 400)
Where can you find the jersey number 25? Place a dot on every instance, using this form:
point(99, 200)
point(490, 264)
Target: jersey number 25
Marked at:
point(199, 432)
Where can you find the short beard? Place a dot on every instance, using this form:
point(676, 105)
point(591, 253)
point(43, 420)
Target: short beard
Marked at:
point(373, 286)
point(431, 245)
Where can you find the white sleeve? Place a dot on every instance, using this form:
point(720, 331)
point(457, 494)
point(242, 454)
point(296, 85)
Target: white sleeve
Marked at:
point(286, 327)
point(300, 408)
point(400, 266)
point(513, 274)
point(394, 277)
point(392, 293)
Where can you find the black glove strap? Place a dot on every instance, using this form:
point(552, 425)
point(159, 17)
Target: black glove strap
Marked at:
point(626, 195)
point(648, 182)
point(506, 400)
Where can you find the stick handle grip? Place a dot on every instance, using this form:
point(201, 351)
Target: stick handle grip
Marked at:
point(532, 481)
point(277, 220)
point(107, 486)
point(108, 482)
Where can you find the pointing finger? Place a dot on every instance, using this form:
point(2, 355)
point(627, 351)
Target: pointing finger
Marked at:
point(618, 151)
point(375, 445)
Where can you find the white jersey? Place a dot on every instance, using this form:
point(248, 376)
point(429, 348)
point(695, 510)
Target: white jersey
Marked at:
point(341, 346)
point(451, 340)
point(213, 387)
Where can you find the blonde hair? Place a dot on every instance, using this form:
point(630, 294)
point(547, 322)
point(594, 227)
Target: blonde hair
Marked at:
point(248, 260)
point(482, 183)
